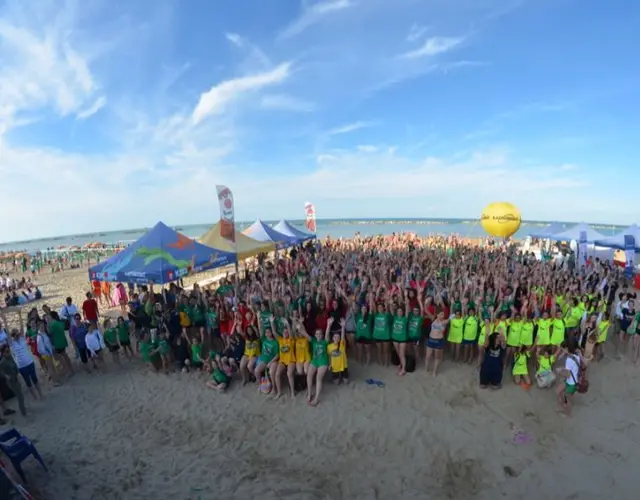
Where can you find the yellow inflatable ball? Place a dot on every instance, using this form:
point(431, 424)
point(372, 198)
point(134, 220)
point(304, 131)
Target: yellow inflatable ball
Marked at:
point(501, 219)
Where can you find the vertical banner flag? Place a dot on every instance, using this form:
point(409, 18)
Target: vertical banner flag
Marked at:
point(582, 249)
point(629, 255)
point(227, 215)
point(310, 220)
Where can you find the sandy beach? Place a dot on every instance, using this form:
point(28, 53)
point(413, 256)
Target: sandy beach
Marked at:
point(128, 433)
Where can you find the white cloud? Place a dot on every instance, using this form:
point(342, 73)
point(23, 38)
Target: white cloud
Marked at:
point(255, 54)
point(97, 105)
point(42, 63)
point(287, 103)
point(434, 46)
point(216, 99)
point(314, 14)
point(350, 127)
point(366, 148)
point(416, 32)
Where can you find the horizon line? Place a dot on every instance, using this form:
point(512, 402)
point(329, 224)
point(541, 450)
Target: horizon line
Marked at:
point(173, 226)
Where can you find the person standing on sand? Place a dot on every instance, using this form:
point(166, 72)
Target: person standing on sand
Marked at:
point(23, 357)
point(569, 374)
point(435, 343)
point(90, 310)
point(492, 363)
point(59, 340)
point(9, 371)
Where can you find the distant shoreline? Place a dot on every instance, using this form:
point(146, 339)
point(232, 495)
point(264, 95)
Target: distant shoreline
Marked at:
point(320, 222)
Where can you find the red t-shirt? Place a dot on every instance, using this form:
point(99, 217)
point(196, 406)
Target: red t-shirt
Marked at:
point(321, 320)
point(90, 309)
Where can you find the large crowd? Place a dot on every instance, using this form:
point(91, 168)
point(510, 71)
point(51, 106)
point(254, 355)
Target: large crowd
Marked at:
point(399, 301)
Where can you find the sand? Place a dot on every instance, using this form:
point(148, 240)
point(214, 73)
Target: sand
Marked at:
point(131, 434)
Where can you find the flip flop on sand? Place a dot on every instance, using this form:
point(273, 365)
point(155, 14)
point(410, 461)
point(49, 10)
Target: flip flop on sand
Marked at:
point(372, 381)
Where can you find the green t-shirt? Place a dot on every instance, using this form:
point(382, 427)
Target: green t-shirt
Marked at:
point(196, 314)
point(320, 353)
point(110, 336)
point(399, 329)
point(265, 319)
point(123, 333)
point(212, 318)
point(270, 349)
point(224, 289)
point(31, 333)
point(164, 347)
point(145, 351)
point(58, 337)
point(219, 377)
point(196, 353)
point(381, 327)
point(363, 328)
point(415, 327)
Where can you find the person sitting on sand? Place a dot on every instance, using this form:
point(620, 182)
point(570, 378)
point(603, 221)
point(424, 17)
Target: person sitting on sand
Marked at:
point(520, 370)
point(219, 380)
point(286, 361)
point(269, 355)
point(319, 361)
point(545, 360)
point(251, 353)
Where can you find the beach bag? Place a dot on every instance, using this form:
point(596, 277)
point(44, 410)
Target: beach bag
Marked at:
point(545, 379)
point(582, 384)
point(410, 364)
point(265, 385)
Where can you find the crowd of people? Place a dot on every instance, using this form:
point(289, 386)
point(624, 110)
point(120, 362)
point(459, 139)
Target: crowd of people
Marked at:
point(410, 302)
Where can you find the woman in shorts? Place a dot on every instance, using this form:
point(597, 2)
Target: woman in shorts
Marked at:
point(251, 353)
point(319, 361)
point(269, 355)
point(435, 342)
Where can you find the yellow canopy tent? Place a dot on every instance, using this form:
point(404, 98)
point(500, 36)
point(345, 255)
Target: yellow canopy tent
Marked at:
point(245, 247)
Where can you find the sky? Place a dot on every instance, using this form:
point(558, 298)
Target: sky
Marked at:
point(119, 114)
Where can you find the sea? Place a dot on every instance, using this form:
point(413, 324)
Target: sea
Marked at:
point(335, 228)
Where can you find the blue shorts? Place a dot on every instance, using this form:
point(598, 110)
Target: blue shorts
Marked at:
point(435, 343)
point(469, 342)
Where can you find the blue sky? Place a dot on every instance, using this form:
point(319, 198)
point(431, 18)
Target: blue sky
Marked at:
point(118, 114)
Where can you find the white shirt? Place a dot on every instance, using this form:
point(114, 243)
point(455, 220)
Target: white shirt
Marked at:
point(21, 352)
point(67, 312)
point(619, 307)
point(573, 367)
point(44, 344)
point(94, 341)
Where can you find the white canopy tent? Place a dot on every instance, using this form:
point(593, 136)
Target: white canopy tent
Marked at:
point(574, 234)
point(617, 241)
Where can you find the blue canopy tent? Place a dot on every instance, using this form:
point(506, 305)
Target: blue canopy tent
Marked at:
point(289, 229)
point(617, 241)
point(262, 232)
point(574, 234)
point(160, 256)
point(544, 234)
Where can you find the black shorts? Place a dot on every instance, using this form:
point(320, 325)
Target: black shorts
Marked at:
point(199, 324)
point(125, 343)
point(196, 364)
point(400, 341)
point(343, 375)
point(60, 351)
point(363, 340)
point(113, 348)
